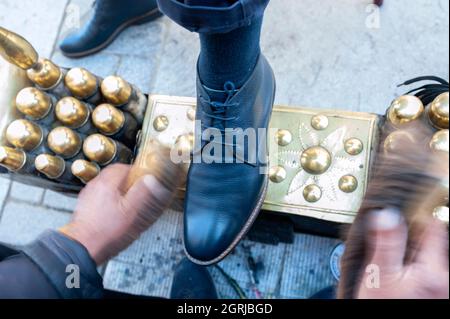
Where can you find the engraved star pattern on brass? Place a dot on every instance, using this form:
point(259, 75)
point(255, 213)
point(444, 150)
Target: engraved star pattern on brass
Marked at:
point(325, 179)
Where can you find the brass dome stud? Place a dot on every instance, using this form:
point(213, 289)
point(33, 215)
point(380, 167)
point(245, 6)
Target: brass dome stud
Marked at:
point(277, 174)
point(320, 122)
point(405, 109)
point(185, 143)
point(315, 160)
point(283, 137)
point(438, 112)
point(397, 138)
point(312, 193)
point(161, 123)
point(353, 146)
point(439, 141)
point(190, 113)
point(348, 184)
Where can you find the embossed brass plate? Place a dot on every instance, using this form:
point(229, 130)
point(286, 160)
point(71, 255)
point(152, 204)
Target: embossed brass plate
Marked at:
point(319, 159)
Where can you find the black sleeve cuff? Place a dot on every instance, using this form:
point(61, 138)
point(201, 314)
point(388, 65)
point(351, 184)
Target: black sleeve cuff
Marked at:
point(53, 252)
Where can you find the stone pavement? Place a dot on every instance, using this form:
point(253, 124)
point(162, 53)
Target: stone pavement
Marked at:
point(332, 54)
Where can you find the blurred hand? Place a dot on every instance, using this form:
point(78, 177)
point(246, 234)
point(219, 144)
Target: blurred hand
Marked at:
point(388, 276)
point(107, 219)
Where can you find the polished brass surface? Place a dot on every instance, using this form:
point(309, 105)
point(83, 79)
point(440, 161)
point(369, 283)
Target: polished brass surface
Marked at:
point(441, 213)
point(312, 193)
point(348, 183)
point(283, 137)
point(16, 50)
point(24, 134)
point(405, 109)
point(72, 112)
point(116, 90)
point(315, 160)
point(45, 74)
point(85, 170)
point(12, 80)
point(34, 103)
point(185, 144)
point(287, 195)
point(319, 122)
point(396, 139)
point(50, 165)
point(108, 119)
point(64, 142)
point(191, 113)
point(354, 146)
point(438, 112)
point(161, 123)
point(11, 158)
point(440, 141)
point(81, 83)
point(277, 174)
point(99, 148)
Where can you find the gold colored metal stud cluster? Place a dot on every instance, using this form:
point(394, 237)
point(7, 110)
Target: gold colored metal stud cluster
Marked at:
point(406, 111)
point(67, 123)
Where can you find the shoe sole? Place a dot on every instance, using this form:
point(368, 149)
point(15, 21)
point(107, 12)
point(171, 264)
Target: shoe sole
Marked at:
point(246, 227)
point(148, 17)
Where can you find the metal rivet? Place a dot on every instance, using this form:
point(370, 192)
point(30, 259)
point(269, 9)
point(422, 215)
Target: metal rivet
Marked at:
point(348, 184)
point(319, 122)
point(283, 137)
point(353, 146)
point(277, 174)
point(312, 193)
point(161, 123)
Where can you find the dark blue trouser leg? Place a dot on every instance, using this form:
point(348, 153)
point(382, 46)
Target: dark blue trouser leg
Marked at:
point(209, 16)
point(229, 35)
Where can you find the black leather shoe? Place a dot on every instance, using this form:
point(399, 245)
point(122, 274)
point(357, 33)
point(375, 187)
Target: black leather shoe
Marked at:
point(192, 281)
point(222, 199)
point(108, 19)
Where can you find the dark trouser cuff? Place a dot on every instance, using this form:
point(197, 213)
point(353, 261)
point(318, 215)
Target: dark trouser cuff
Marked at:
point(210, 19)
point(53, 252)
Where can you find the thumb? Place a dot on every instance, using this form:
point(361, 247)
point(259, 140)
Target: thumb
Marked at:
point(148, 198)
point(387, 239)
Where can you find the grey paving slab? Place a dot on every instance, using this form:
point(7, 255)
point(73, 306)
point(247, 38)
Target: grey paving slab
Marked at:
point(177, 65)
point(140, 71)
point(21, 223)
point(102, 64)
point(37, 21)
point(59, 201)
point(324, 55)
point(143, 40)
point(26, 193)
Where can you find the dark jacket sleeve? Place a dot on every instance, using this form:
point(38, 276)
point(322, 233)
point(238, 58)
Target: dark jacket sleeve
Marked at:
point(48, 268)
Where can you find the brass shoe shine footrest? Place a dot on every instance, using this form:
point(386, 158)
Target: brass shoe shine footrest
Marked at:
point(60, 127)
point(319, 159)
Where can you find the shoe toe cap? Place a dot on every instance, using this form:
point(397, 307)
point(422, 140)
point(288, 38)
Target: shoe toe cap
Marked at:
point(208, 237)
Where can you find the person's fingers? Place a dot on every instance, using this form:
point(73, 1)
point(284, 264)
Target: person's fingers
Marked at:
point(387, 239)
point(114, 176)
point(433, 249)
point(149, 198)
